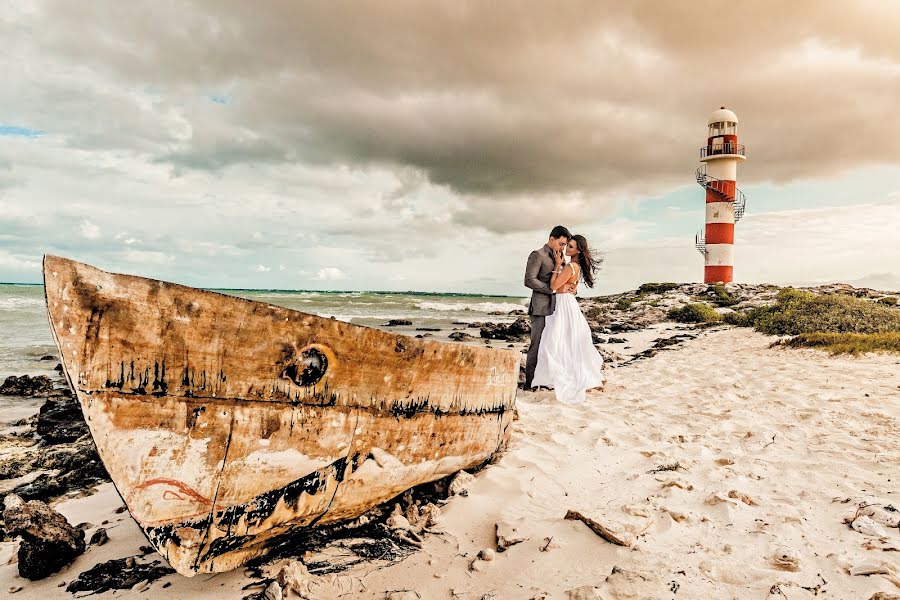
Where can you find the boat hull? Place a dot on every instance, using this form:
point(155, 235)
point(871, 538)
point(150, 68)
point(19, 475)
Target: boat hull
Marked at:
point(225, 423)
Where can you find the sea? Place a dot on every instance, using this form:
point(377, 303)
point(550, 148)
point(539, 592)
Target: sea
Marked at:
point(25, 332)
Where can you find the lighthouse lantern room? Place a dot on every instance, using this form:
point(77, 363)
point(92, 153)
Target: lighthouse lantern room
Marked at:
point(725, 204)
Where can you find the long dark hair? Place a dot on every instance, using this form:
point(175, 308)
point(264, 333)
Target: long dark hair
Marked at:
point(586, 260)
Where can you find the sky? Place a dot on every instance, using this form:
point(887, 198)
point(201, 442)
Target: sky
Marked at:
point(404, 145)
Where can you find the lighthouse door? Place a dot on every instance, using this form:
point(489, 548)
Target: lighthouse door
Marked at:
point(717, 145)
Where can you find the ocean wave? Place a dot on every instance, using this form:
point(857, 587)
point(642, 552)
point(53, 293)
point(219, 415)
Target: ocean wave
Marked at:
point(17, 303)
point(484, 307)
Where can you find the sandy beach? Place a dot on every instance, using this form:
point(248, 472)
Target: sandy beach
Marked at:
point(727, 467)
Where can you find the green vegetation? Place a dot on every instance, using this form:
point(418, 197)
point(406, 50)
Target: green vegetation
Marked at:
point(624, 304)
point(695, 313)
point(889, 300)
point(720, 296)
point(597, 313)
point(836, 322)
point(847, 343)
point(740, 318)
point(656, 288)
point(797, 312)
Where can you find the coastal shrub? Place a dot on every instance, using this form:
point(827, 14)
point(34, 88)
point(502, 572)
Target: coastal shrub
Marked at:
point(797, 312)
point(624, 304)
point(889, 300)
point(847, 343)
point(740, 318)
point(656, 288)
point(596, 313)
point(695, 313)
point(720, 296)
point(839, 323)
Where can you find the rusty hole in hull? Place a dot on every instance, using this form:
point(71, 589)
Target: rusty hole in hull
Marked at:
point(308, 369)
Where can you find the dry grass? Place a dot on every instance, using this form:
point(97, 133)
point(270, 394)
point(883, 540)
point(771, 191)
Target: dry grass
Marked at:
point(839, 323)
point(847, 343)
point(797, 312)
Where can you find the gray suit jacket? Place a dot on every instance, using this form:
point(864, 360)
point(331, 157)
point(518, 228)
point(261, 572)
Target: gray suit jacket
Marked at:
point(538, 273)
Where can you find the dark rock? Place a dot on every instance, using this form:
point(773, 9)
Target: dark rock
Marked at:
point(517, 311)
point(458, 336)
point(48, 357)
point(61, 421)
point(598, 339)
point(77, 464)
point(497, 313)
point(428, 328)
point(623, 327)
point(42, 489)
point(118, 574)
point(397, 322)
point(615, 340)
point(60, 393)
point(475, 325)
point(100, 537)
point(49, 542)
point(25, 385)
point(510, 332)
point(58, 368)
point(661, 344)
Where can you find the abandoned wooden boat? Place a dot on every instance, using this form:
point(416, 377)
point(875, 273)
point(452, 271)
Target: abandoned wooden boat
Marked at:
point(225, 422)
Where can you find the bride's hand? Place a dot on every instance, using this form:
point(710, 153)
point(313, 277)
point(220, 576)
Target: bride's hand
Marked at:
point(558, 257)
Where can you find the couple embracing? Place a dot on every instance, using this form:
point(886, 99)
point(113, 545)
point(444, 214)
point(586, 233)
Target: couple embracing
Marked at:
point(562, 354)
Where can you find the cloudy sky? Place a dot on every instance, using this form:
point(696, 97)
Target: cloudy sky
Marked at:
point(432, 145)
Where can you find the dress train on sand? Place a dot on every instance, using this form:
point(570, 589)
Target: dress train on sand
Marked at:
point(567, 360)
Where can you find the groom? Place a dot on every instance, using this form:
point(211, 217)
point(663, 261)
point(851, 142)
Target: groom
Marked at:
point(538, 273)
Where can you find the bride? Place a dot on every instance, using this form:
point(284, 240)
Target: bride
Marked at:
point(567, 360)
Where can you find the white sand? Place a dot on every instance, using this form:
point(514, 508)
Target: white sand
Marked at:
point(802, 435)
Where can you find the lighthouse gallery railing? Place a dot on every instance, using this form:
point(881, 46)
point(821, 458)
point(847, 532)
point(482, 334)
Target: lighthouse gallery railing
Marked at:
point(727, 148)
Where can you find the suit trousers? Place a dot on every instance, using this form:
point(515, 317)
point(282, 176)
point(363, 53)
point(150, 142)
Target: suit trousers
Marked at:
point(537, 328)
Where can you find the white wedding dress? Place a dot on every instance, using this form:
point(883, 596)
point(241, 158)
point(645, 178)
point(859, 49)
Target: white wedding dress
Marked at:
point(567, 360)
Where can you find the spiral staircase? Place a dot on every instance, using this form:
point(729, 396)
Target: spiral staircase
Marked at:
point(719, 188)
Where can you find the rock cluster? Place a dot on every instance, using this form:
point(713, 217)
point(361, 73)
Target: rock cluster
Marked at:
point(48, 543)
point(119, 574)
point(398, 323)
point(26, 385)
point(60, 421)
point(56, 455)
point(517, 331)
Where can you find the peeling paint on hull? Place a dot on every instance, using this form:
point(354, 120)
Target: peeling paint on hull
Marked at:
point(225, 422)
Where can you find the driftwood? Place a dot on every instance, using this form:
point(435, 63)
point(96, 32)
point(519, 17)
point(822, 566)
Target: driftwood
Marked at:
point(225, 423)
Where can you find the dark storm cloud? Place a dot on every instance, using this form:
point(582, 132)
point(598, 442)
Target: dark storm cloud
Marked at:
point(574, 105)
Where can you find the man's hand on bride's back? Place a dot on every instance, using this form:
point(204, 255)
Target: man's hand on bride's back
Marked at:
point(569, 288)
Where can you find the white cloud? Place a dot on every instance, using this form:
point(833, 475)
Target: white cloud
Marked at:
point(330, 274)
point(17, 263)
point(151, 257)
point(89, 231)
point(263, 269)
point(127, 239)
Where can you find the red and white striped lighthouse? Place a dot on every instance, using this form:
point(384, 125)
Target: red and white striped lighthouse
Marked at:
point(725, 203)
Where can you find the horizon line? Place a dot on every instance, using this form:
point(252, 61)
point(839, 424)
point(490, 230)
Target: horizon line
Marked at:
point(238, 289)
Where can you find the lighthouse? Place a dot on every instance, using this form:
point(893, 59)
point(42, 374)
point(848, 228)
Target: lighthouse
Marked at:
point(725, 203)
